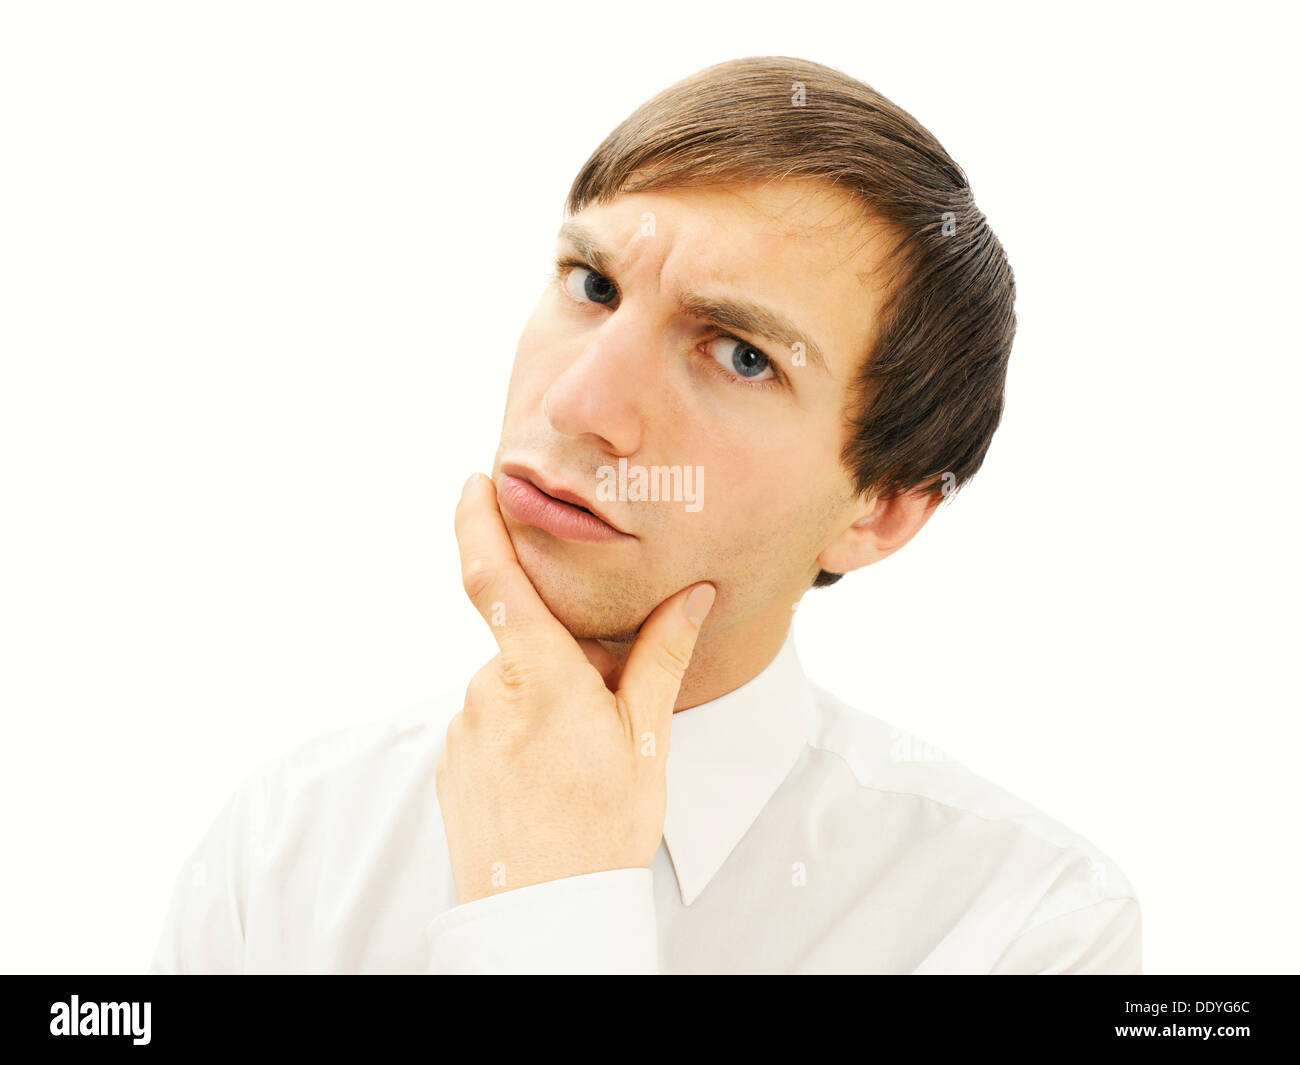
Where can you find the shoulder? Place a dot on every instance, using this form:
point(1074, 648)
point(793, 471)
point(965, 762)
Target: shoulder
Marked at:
point(972, 825)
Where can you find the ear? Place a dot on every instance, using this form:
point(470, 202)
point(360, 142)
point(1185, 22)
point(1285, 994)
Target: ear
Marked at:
point(876, 528)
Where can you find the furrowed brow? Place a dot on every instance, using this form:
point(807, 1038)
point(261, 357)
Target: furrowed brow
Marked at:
point(585, 244)
point(739, 314)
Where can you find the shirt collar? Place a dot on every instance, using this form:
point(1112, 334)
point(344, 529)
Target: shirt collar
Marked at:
point(726, 758)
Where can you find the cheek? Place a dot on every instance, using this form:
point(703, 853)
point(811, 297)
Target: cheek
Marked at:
point(768, 501)
point(760, 483)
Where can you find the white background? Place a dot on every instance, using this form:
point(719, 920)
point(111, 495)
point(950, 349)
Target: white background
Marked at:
point(262, 271)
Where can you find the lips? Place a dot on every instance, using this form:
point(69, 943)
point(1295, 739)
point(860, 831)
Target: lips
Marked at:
point(528, 497)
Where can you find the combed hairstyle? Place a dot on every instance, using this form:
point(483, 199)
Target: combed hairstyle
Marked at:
point(928, 394)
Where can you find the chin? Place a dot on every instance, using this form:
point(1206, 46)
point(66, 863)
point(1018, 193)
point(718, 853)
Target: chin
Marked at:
point(590, 604)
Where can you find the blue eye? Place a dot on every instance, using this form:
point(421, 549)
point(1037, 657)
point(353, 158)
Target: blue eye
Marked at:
point(590, 286)
point(737, 360)
point(742, 359)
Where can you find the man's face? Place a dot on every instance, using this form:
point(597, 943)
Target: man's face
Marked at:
point(637, 355)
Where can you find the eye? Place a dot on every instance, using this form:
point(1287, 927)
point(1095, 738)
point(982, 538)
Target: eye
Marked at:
point(585, 285)
point(741, 358)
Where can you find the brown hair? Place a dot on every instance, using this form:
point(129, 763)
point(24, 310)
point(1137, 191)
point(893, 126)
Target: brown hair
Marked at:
point(929, 393)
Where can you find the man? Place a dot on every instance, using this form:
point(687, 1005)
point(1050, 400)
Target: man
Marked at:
point(773, 286)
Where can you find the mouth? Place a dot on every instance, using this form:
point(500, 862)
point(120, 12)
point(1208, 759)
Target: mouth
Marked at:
point(528, 497)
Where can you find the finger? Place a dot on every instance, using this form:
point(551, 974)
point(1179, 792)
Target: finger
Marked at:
point(652, 675)
point(495, 582)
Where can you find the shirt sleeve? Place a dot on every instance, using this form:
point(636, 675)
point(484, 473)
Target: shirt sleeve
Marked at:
point(203, 929)
point(1105, 937)
point(594, 923)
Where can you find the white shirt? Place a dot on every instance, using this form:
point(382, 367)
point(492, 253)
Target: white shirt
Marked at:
point(801, 836)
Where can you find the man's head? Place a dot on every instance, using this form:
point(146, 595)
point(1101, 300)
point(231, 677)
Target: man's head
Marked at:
point(777, 308)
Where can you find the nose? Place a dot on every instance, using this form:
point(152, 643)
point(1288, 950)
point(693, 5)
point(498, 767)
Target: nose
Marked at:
point(601, 395)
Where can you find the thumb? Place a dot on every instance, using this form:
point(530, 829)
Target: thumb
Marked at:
point(652, 674)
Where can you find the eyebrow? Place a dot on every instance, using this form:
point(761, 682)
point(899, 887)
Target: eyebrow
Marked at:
point(743, 315)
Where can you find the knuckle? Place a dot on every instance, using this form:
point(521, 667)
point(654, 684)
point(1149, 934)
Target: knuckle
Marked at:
point(478, 692)
point(476, 577)
point(672, 659)
point(515, 735)
point(516, 673)
point(455, 734)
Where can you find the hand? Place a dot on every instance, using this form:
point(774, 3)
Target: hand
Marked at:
point(547, 772)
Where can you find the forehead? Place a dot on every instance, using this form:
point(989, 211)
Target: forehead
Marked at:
point(800, 246)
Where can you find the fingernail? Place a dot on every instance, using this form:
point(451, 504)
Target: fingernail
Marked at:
point(468, 483)
point(699, 602)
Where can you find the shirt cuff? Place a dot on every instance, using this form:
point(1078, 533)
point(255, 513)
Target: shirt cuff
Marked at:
point(594, 923)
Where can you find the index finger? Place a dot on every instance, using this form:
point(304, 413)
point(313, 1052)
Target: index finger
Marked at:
point(494, 581)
